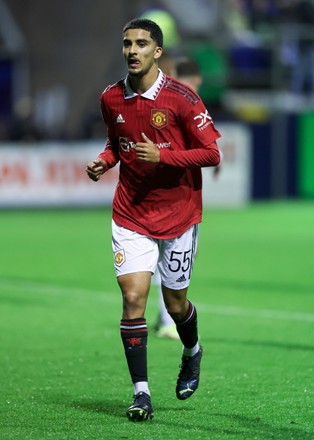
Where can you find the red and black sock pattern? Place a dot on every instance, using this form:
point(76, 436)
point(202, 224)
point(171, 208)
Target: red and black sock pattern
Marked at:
point(187, 327)
point(134, 337)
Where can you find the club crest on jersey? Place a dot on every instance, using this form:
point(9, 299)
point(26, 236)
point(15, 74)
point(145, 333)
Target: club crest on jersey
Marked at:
point(159, 118)
point(119, 257)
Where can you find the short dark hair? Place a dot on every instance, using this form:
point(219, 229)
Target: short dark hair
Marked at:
point(187, 67)
point(147, 25)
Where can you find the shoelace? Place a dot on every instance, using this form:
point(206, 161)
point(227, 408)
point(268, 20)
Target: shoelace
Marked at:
point(141, 399)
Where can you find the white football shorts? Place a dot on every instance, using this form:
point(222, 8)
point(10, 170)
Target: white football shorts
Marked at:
point(134, 252)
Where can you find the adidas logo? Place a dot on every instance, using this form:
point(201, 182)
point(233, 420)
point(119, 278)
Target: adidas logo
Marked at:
point(120, 119)
point(181, 279)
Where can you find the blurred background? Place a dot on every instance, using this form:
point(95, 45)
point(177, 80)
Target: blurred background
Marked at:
point(257, 63)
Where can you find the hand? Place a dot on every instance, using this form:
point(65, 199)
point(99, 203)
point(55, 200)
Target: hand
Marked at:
point(147, 150)
point(95, 169)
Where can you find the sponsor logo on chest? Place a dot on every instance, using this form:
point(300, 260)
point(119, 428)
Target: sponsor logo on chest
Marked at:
point(126, 145)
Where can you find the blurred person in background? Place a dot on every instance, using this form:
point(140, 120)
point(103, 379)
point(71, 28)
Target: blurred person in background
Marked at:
point(302, 73)
point(297, 48)
point(187, 71)
point(157, 12)
point(158, 201)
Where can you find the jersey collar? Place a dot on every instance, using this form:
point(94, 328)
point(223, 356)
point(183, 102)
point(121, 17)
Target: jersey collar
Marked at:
point(151, 93)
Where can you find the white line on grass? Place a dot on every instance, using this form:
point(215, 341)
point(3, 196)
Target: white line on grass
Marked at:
point(213, 309)
point(54, 289)
point(258, 313)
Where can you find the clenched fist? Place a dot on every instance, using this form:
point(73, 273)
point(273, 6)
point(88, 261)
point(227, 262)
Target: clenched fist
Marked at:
point(95, 169)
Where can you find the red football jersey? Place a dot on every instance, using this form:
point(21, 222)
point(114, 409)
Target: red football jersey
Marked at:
point(159, 200)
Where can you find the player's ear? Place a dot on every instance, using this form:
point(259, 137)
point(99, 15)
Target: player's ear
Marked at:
point(158, 52)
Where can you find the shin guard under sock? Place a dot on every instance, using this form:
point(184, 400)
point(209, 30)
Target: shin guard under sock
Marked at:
point(187, 327)
point(134, 337)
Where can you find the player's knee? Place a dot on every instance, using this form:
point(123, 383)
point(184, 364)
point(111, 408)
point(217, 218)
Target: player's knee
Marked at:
point(176, 309)
point(131, 299)
point(133, 305)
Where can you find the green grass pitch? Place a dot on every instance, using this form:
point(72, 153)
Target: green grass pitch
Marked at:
point(63, 372)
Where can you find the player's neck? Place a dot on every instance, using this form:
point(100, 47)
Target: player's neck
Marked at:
point(140, 84)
